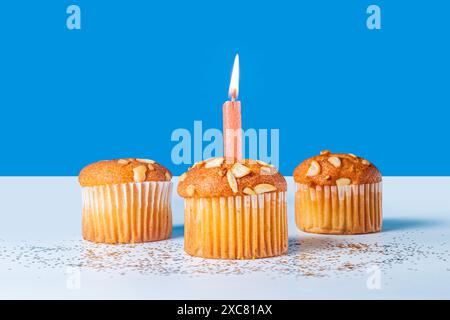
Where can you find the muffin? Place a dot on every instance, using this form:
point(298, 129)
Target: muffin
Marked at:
point(338, 193)
point(234, 210)
point(126, 201)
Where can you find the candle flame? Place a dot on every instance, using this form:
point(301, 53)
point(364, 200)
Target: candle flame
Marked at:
point(234, 83)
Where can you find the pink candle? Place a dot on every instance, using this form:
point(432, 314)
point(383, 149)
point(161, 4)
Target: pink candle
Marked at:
point(232, 123)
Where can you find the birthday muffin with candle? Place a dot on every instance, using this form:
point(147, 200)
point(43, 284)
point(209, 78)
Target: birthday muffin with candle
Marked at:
point(338, 193)
point(234, 209)
point(126, 201)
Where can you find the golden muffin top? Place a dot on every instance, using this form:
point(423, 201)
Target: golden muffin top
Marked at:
point(220, 177)
point(123, 171)
point(331, 169)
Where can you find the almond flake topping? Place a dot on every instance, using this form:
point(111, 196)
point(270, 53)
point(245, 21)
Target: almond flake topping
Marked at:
point(139, 173)
point(123, 162)
point(249, 191)
point(214, 162)
point(232, 181)
point(264, 187)
point(343, 182)
point(239, 170)
point(335, 161)
point(314, 169)
point(263, 163)
point(145, 161)
point(267, 171)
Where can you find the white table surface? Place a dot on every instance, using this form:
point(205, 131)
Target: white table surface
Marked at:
point(43, 256)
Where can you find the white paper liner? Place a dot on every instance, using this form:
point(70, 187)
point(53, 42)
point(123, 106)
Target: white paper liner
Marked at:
point(352, 209)
point(127, 213)
point(236, 227)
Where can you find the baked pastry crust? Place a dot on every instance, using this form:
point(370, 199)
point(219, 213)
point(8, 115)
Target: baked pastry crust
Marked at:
point(212, 178)
point(123, 171)
point(325, 170)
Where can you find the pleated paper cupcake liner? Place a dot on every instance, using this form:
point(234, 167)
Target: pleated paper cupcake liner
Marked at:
point(353, 209)
point(127, 213)
point(237, 227)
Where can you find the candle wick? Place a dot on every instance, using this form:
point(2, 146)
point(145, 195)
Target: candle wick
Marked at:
point(233, 96)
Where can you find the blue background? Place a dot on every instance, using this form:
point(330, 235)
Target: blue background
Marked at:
point(140, 69)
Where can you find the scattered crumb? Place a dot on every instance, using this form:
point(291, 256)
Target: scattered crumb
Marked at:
point(308, 256)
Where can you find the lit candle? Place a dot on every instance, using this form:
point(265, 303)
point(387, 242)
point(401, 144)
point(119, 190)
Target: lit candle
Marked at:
point(232, 123)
